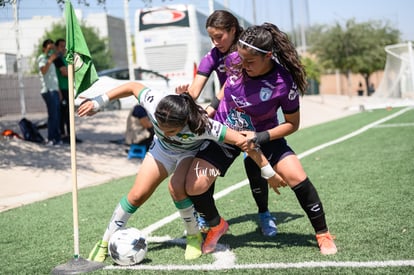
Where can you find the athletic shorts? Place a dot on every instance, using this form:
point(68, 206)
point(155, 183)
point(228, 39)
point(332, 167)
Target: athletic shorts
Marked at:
point(275, 150)
point(169, 159)
point(222, 155)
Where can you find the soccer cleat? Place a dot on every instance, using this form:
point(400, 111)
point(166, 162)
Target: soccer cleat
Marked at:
point(267, 224)
point(202, 224)
point(193, 248)
point(326, 243)
point(99, 252)
point(214, 235)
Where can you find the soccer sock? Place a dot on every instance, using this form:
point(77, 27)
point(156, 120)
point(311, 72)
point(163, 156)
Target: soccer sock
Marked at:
point(212, 187)
point(120, 217)
point(258, 185)
point(187, 212)
point(205, 205)
point(310, 202)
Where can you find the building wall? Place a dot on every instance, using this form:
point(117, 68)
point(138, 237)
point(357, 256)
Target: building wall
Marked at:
point(338, 84)
point(10, 95)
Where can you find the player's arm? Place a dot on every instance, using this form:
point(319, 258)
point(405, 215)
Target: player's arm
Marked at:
point(267, 171)
point(273, 179)
point(91, 106)
point(215, 102)
point(197, 85)
point(290, 125)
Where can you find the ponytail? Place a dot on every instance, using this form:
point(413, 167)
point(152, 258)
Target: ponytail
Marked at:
point(181, 110)
point(197, 117)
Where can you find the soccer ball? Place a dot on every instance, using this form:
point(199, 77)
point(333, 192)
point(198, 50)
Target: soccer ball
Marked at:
point(127, 246)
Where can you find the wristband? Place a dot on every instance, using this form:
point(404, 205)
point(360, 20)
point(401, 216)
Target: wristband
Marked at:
point(215, 102)
point(99, 102)
point(267, 171)
point(261, 138)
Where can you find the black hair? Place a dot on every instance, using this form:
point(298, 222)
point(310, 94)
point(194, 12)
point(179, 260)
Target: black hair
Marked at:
point(57, 42)
point(222, 19)
point(47, 42)
point(181, 110)
point(268, 37)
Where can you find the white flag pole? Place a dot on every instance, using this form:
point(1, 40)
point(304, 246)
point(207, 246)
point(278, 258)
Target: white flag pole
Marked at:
point(77, 264)
point(73, 160)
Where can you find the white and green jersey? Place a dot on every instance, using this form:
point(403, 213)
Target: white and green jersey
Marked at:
point(185, 140)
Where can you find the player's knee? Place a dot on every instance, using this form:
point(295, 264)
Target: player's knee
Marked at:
point(197, 185)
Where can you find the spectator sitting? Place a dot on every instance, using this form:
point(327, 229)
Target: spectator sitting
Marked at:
point(139, 129)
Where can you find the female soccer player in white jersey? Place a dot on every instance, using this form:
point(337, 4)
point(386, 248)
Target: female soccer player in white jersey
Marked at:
point(180, 127)
point(264, 74)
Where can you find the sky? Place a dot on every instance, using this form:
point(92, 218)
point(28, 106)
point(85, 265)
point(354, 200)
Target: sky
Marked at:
point(398, 13)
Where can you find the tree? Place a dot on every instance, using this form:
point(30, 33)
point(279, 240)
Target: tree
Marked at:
point(313, 73)
point(101, 56)
point(355, 47)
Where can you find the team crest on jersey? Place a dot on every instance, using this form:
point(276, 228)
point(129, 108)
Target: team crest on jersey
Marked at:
point(185, 136)
point(265, 94)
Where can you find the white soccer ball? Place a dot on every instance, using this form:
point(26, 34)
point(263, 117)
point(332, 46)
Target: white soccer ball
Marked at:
point(127, 246)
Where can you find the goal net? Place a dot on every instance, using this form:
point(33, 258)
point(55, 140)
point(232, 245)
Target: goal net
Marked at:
point(398, 78)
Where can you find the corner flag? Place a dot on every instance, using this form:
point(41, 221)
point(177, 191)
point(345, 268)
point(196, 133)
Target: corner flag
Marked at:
point(78, 52)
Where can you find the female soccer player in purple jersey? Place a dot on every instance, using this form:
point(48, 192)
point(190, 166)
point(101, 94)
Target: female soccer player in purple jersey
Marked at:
point(180, 127)
point(265, 74)
point(224, 30)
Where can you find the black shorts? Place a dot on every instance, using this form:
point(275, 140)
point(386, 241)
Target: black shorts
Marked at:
point(276, 150)
point(221, 155)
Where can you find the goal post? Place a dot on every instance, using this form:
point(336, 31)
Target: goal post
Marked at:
point(398, 78)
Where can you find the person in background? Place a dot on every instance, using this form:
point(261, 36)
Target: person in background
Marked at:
point(224, 30)
point(264, 74)
point(50, 90)
point(139, 129)
point(62, 74)
point(360, 90)
point(371, 89)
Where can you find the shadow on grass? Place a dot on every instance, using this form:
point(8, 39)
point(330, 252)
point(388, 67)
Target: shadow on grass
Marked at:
point(257, 240)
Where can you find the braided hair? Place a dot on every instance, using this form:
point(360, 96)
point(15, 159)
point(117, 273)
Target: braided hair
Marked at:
point(181, 110)
point(268, 37)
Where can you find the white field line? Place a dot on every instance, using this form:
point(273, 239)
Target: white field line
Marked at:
point(224, 251)
point(395, 125)
point(353, 134)
point(202, 267)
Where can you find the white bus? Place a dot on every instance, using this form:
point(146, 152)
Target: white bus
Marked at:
point(172, 40)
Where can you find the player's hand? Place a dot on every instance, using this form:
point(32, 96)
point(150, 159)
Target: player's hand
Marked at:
point(182, 88)
point(86, 108)
point(248, 145)
point(276, 182)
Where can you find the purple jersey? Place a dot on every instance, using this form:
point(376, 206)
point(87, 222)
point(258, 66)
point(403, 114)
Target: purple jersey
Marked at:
point(252, 103)
point(213, 61)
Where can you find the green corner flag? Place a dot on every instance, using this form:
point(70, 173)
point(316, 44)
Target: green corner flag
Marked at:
point(78, 52)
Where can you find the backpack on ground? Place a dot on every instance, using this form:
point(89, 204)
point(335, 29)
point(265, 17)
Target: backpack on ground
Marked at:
point(30, 131)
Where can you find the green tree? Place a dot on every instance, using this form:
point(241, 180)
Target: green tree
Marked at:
point(353, 48)
point(313, 73)
point(100, 53)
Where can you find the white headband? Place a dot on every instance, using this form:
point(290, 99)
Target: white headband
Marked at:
point(253, 47)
